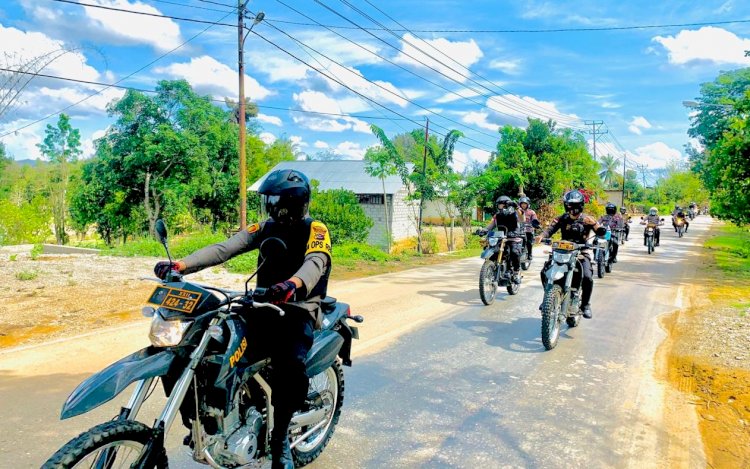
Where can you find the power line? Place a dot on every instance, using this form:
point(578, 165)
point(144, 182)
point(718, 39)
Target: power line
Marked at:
point(541, 111)
point(117, 82)
point(144, 90)
point(190, 6)
point(123, 10)
point(219, 3)
point(342, 83)
point(375, 83)
point(530, 31)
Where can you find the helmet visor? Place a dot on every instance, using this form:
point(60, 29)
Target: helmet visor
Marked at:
point(283, 208)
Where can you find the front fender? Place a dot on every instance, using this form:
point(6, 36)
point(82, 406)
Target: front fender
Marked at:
point(554, 270)
point(489, 252)
point(108, 383)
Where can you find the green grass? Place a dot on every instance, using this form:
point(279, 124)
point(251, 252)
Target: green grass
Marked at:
point(26, 275)
point(36, 251)
point(731, 249)
point(13, 257)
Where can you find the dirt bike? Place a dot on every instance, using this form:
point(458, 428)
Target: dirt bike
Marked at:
point(211, 376)
point(650, 234)
point(603, 251)
point(562, 289)
point(497, 269)
point(691, 213)
point(679, 223)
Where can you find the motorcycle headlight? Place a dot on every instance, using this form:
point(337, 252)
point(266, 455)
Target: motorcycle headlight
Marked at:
point(562, 257)
point(493, 241)
point(167, 333)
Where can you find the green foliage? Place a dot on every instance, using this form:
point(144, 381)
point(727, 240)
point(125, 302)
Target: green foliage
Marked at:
point(360, 252)
point(36, 251)
point(429, 243)
point(179, 246)
point(339, 209)
point(24, 223)
point(243, 264)
point(722, 125)
point(25, 275)
point(732, 250)
point(13, 257)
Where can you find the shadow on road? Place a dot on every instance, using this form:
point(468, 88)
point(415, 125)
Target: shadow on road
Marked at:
point(521, 335)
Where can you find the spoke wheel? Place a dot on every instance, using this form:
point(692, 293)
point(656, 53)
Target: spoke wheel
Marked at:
point(551, 316)
point(487, 283)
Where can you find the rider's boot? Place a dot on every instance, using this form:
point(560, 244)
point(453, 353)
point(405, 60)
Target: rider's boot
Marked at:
point(281, 454)
point(516, 277)
point(587, 312)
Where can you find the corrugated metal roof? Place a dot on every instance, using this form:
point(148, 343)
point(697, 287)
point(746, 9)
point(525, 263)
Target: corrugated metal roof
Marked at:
point(340, 174)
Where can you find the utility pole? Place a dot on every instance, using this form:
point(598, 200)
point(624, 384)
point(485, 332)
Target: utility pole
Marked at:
point(424, 175)
point(596, 129)
point(241, 36)
point(624, 175)
point(642, 168)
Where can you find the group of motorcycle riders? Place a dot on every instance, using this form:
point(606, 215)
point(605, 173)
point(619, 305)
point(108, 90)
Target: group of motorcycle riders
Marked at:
point(302, 278)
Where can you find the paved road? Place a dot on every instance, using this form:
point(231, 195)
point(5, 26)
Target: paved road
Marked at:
point(440, 380)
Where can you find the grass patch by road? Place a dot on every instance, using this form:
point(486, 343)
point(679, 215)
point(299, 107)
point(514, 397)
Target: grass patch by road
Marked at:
point(350, 260)
point(731, 251)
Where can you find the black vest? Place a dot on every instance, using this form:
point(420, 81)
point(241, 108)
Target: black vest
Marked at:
point(285, 265)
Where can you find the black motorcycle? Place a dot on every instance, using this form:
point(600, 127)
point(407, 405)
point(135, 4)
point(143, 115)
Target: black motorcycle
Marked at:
point(497, 269)
point(200, 351)
point(650, 234)
point(603, 253)
point(562, 291)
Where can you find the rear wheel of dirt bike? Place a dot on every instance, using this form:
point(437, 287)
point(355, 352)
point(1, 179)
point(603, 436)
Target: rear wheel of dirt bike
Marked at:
point(525, 261)
point(329, 385)
point(550, 316)
point(111, 444)
point(487, 284)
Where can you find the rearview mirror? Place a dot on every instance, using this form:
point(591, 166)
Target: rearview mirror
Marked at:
point(161, 231)
point(272, 247)
point(535, 223)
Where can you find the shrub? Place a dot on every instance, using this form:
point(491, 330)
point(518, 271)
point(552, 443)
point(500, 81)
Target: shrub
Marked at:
point(36, 251)
point(339, 209)
point(26, 275)
point(429, 242)
point(359, 251)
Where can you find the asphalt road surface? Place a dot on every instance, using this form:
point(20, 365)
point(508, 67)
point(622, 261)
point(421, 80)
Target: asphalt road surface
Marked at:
point(442, 381)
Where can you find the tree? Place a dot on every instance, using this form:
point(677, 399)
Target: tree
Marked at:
point(325, 155)
point(62, 146)
point(345, 218)
point(608, 171)
point(380, 165)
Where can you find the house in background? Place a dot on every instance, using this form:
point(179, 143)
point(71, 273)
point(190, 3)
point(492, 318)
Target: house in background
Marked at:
point(351, 175)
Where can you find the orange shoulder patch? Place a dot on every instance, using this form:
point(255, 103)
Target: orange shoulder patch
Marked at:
point(253, 228)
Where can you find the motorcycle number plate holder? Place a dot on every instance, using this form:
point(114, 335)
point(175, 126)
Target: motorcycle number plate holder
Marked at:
point(564, 245)
point(175, 299)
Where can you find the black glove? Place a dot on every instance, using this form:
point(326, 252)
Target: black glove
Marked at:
point(480, 232)
point(281, 292)
point(162, 268)
point(601, 231)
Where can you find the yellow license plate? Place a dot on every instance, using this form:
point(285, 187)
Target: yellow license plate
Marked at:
point(564, 245)
point(175, 299)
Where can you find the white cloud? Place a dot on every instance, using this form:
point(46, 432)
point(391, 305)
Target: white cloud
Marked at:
point(319, 102)
point(340, 50)
point(480, 120)
point(161, 33)
point(278, 68)
point(638, 123)
point(511, 67)
point(23, 143)
point(463, 93)
point(267, 137)
point(655, 155)
point(479, 155)
point(297, 140)
point(522, 107)
point(20, 47)
point(42, 101)
point(87, 144)
point(273, 120)
point(707, 44)
point(610, 105)
point(207, 75)
point(351, 150)
point(440, 54)
point(320, 144)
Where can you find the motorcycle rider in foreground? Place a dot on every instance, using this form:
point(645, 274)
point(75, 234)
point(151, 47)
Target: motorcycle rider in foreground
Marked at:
point(298, 285)
point(575, 226)
point(529, 217)
point(614, 221)
point(652, 218)
point(511, 217)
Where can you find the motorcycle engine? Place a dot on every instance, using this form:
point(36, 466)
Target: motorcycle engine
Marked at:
point(239, 441)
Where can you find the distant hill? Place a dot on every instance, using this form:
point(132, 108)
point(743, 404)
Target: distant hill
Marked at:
point(27, 162)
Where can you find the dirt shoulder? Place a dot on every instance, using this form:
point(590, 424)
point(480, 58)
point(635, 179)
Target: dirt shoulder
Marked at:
point(51, 296)
point(707, 354)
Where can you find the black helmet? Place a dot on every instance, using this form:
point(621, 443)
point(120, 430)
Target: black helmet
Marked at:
point(611, 208)
point(573, 201)
point(524, 200)
point(623, 210)
point(503, 199)
point(285, 195)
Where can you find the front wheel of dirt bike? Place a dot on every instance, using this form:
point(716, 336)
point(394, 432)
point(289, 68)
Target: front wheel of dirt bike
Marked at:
point(487, 284)
point(680, 231)
point(108, 445)
point(650, 245)
point(550, 316)
point(329, 385)
point(600, 264)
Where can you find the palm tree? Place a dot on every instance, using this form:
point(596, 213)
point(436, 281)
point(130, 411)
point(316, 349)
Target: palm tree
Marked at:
point(608, 169)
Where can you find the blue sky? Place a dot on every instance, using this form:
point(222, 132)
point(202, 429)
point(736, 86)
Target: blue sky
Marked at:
point(633, 80)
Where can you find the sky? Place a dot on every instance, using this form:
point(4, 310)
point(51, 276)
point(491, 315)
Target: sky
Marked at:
point(396, 64)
